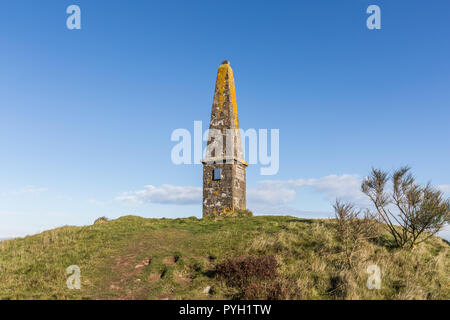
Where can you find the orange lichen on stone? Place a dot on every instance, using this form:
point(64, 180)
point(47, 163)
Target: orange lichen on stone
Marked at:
point(228, 211)
point(225, 80)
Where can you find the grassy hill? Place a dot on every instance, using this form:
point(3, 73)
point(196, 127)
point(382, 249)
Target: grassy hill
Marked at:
point(137, 258)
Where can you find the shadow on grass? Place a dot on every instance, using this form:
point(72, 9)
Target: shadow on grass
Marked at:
point(382, 241)
point(309, 221)
point(209, 273)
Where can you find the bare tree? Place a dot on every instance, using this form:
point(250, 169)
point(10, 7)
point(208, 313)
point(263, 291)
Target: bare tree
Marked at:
point(412, 213)
point(354, 226)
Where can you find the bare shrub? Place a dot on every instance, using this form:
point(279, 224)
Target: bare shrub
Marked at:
point(255, 278)
point(263, 291)
point(412, 213)
point(240, 271)
point(339, 287)
point(354, 227)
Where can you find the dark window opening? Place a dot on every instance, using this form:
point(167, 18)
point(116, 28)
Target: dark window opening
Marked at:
point(217, 174)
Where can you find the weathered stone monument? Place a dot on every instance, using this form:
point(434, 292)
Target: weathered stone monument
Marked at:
point(224, 167)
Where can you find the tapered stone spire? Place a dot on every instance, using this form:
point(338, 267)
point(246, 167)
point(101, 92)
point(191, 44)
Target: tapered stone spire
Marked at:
point(224, 190)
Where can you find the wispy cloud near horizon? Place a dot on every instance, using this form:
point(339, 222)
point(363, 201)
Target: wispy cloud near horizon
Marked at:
point(27, 190)
point(445, 188)
point(270, 193)
point(165, 194)
point(345, 187)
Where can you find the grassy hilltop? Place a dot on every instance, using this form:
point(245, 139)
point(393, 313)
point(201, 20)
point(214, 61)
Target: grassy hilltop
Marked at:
point(137, 258)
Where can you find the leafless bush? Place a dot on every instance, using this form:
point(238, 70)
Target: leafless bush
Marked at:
point(412, 213)
point(255, 278)
point(242, 270)
point(354, 226)
point(271, 290)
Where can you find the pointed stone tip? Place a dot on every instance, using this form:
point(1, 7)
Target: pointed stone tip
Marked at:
point(225, 62)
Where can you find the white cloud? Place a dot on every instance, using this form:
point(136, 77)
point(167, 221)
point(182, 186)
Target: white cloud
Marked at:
point(166, 194)
point(33, 189)
point(269, 192)
point(274, 196)
point(268, 209)
point(445, 188)
point(345, 187)
point(96, 202)
point(30, 189)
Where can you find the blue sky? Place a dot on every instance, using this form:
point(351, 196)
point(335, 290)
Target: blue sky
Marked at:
point(86, 115)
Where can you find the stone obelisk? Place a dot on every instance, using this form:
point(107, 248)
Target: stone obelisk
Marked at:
point(224, 167)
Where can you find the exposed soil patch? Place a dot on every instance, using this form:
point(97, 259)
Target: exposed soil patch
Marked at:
point(164, 296)
point(183, 280)
point(127, 268)
point(170, 261)
point(153, 277)
point(114, 287)
point(143, 263)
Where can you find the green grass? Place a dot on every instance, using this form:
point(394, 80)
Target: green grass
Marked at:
point(113, 257)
